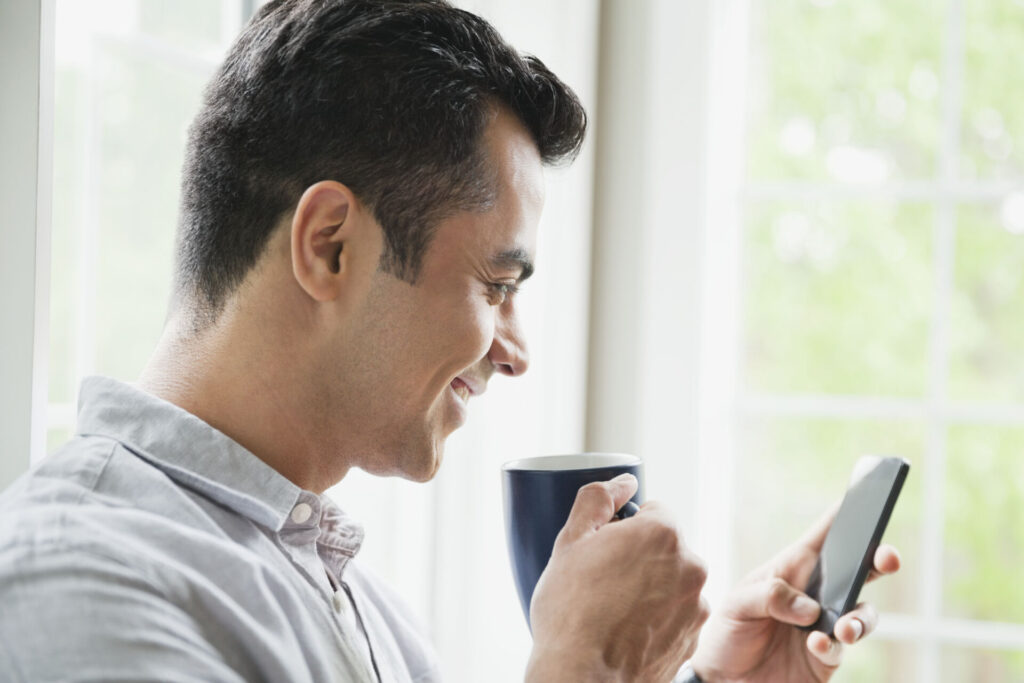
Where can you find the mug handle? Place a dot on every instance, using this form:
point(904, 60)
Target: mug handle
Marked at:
point(627, 510)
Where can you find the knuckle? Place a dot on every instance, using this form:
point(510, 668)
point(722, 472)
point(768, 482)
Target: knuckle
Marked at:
point(655, 536)
point(669, 540)
point(703, 611)
point(778, 591)
point(700, 569)
point(696, 570)
point(560, 540)
point(594, 493)
point(693, 576)
point(664, 536)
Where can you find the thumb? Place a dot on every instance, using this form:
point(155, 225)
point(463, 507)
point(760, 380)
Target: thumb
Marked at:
point(596, 505)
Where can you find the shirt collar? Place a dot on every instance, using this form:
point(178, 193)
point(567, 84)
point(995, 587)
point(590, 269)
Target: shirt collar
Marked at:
point(188, 450)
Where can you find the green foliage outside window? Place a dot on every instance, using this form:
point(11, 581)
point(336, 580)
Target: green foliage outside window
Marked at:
point(839, 294)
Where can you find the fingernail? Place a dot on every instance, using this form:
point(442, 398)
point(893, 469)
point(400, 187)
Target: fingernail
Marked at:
point(625, 476)
point(858, 628)
point(805, 607)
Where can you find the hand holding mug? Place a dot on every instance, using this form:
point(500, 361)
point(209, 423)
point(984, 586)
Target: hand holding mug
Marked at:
point(618, 600)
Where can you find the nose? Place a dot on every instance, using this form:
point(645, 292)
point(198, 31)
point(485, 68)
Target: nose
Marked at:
point(508, 352)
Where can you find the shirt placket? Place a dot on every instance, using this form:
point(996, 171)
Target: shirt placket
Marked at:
point(298, 539)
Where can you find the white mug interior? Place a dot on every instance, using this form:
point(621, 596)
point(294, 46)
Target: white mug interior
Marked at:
point(575, 461)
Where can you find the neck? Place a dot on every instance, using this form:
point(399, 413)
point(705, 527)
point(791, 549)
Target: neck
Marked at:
point(231, 377)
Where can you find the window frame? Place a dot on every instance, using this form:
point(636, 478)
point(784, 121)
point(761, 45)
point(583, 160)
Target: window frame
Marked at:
point(928, 630)
point(26, 135)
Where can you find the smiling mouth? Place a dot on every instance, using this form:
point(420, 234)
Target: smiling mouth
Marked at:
point(461, 390)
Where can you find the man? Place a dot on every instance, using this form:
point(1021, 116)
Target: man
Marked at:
point(359, 206)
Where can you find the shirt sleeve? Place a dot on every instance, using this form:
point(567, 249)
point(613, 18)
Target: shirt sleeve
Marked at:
point(75, 615)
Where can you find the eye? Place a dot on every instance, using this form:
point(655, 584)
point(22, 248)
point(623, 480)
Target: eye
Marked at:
point(500, 292)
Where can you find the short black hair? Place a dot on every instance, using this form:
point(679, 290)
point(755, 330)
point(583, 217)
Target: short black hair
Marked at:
point(389, 97)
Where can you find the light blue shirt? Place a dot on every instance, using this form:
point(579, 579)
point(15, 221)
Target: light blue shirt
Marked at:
point(153, 547)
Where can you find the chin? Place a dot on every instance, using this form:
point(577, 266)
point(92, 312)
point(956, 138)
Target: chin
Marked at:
point(421, 472)
point(421, 464)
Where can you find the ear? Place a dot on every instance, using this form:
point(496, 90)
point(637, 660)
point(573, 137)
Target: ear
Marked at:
point(325, 221)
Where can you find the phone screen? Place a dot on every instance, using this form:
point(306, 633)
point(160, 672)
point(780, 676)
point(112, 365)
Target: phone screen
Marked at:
point(848, 552)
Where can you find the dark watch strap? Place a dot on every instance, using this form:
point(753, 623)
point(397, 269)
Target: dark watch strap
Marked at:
point(688, 675)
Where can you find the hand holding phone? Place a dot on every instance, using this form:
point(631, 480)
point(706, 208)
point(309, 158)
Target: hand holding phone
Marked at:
point(750, 636)
point(848, 553)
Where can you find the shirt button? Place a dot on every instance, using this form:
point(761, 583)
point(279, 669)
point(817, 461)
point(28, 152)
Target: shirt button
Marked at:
point(340, 601)
point(301, 512)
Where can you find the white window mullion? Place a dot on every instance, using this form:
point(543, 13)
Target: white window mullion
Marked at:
point(800, 191)
point(44, 228)
point(951, 632)
point(945, 245)
point(87, 236)
point(722, 290)
point(832, 406)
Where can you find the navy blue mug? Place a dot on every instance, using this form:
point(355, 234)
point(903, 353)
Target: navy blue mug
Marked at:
point(539, 493)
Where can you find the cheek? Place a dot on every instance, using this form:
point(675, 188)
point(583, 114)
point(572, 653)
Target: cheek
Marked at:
point(476, 330)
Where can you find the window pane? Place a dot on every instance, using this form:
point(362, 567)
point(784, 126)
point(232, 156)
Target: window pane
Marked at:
point(191, 25)
point(838, 298)
point(963, 664)
point(795, 469)
point(984, 534)
point(129, 74)
point(987, 315)
point(148, 104)
point(992, 142)
point(845, 90)
point(65, 244)
point(57, 437)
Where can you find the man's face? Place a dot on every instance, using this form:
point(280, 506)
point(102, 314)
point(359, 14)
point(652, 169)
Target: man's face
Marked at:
point(429, 347)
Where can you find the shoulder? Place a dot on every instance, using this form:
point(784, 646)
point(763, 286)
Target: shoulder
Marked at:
point(93, 496)
point(121, 586)
point(82, 610)
point(95, 512)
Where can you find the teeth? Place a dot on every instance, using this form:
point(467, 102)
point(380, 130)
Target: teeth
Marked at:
point(463, 392)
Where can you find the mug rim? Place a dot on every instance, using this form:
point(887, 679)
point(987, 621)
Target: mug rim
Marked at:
point(583, 461)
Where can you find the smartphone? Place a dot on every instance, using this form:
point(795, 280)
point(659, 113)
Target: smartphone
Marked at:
point(848, 554)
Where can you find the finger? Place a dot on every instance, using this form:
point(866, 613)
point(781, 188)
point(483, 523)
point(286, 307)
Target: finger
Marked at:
point(826, 650)
point(887, 561)
point(856, 623)
point(776, 599)
point(596, 504)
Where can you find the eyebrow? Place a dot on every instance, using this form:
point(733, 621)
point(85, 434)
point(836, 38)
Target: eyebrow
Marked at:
point(510, 258)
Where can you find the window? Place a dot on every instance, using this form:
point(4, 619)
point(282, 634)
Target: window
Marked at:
point(128, 80)
point(881, 308)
